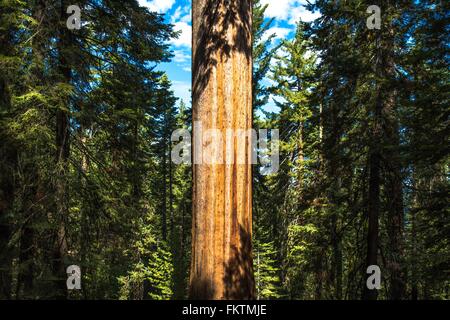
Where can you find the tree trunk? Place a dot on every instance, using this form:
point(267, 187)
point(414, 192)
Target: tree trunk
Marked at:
point(171, 213)
point(164, 195)
point(395, 219)
point(374, 196)
point(28, 241)
point(86, 206)
point(221, 264)
point(337, 257)
point(394, 182)
point(318, 275)
point(414, 244)
point(6, 253)
point(25, 275)
point(300, 162)
point(8, 158)
point(60, 248)
point(384, 137)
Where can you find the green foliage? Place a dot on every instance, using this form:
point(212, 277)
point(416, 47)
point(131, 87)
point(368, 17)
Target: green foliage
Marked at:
point(329, 81)
point(96, 181)
point(268, 285)
point(151, 277)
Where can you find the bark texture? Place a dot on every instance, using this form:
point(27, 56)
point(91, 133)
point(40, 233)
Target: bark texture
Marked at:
point(221, 265)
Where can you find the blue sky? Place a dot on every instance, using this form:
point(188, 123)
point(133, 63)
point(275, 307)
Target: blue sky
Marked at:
point(178, 12)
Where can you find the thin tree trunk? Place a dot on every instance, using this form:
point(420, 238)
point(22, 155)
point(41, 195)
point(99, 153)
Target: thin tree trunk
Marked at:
point(395, 229)
point(319, 275)
point(27, 243)
point(337, 256)
point(172, 222)
point(86, 208)
point(8, 156)
point(414, 244)
point(221, 264)
point(382, 132)
point(183, 246)
point(60, 248)
point(394, 187)
point(164, 195)
point(25, 275)
point(300, 161)
point(374, 197)
point(6, 201)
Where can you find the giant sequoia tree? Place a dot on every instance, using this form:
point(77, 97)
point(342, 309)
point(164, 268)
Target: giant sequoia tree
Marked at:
point(221, 265)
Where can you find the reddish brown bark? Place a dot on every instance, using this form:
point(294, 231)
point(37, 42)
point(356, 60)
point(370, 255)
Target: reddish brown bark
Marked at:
point(221, 265)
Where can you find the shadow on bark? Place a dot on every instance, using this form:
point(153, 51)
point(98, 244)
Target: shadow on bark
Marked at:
point(216, 18)
point(202, 288)
point(239, 281)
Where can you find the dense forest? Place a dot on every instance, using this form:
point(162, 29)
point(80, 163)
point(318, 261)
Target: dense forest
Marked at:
point(86, 177)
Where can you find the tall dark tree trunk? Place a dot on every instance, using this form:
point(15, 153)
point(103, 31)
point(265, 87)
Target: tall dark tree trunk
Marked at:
point(395, 223)
point(28, 241)
point(394, 180)
point(319, 276)
point(337, 257)
point(171, 213)
point(26, 273)
point(85, 209)
point(414, 251)
point(374, 195)
point(336, 185)
point(164, 194)
point(179, 256)
point(60, 247)
point(385, 146)
point(6, 252)
point(8, 159)
point(221, 265)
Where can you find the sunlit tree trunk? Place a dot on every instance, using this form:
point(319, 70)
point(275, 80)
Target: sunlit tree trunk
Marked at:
point(221, 265)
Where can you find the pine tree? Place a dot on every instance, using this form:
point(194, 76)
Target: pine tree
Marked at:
point(293, 73)
point(265, 253)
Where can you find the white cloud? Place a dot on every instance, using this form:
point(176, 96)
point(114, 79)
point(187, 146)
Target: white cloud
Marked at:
point(181, 56)
point(181, 14)
point(187, 69)
point(177, 14)
point(185, 37)
point(280, 33)
point(278, 9)
point(300, 13)
point(289, 10)
point(187, 17)
point(160, 6)
point(181, 90)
